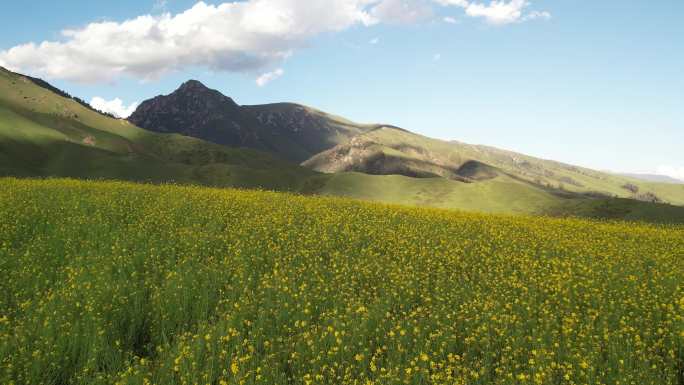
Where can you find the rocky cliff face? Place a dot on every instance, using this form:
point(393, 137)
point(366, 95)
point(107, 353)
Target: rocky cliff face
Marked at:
point(292, 131)
point(197, 111)
point(313, 130)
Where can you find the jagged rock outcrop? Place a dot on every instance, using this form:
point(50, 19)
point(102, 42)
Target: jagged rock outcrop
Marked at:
point(292, 131)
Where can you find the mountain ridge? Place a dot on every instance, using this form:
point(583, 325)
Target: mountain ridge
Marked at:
point(45, 134)
point(390, 151)
point(328, 143)
point(291, 131)
point(653, 178)
point(43, 84)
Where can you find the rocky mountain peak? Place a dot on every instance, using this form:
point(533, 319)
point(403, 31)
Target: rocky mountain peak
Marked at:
point(192, 86)
point(195, 90)
point(292, 131)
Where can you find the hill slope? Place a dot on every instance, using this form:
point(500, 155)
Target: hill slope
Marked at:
point(288, 130)
point(43, 133)
point(654, 178)
point(389, 150)
point(503, 194)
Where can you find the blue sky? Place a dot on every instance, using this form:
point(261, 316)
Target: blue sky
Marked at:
point(599, 84)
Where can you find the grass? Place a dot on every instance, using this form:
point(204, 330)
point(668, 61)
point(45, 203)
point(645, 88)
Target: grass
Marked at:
point(43, 134)
point(620, 209)
point(437, 157)
point(118, 283)
point(500, 195)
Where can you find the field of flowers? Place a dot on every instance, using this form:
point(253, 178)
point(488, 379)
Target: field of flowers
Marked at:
point(116, 283)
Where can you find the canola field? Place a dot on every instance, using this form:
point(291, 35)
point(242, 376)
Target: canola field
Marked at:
point(117, 283)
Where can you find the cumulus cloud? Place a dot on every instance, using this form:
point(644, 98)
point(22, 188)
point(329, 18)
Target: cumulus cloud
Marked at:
point(671, 171)
point(238, 36)
point(269, 77)
point(450, 20)
point(115, 107)
point(498, 12)
point(235, 36)
point(437, 57)
point(374, 40)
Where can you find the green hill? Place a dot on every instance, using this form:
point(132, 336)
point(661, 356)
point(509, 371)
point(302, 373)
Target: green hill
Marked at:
point(390, 150)
point(43, 133)
point(503, 194)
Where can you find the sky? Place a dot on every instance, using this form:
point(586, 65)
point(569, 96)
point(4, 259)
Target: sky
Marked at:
point(593, 83)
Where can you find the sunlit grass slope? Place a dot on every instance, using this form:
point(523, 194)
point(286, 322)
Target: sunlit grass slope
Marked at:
point(503, 194)
point(390, 150)
point(116, 283)
point(45, 134)
point(500, 195)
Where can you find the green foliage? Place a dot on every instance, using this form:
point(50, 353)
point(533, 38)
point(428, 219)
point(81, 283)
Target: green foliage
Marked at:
point(117, 283)
point(501, 195)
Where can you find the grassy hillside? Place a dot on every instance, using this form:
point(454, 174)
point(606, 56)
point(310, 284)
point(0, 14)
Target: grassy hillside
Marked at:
point(116, 283)
point(500, 195)
point(45, 134)
point(618, 208)
point(389, 150)
point(503, 195)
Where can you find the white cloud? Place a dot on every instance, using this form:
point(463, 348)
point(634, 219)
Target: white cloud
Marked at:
point(671, 171)
point(401, 11)
point(234, 36)
point(374, 40)
point(115, 107)
point(450, 20)
point(269, 77)
point(238, 36)
point(437, 57)
point(498, 12)
point(537, 15)
point(459, 3)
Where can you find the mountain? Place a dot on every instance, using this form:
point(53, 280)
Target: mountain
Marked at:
point(313, 130)
point(653, 178)
point(290, 131)
point(197, 111)
point(389, 150)
point(331, 144)
point(46, 133)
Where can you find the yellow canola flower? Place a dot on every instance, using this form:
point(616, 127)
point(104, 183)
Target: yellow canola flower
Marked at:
point(191, 285)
